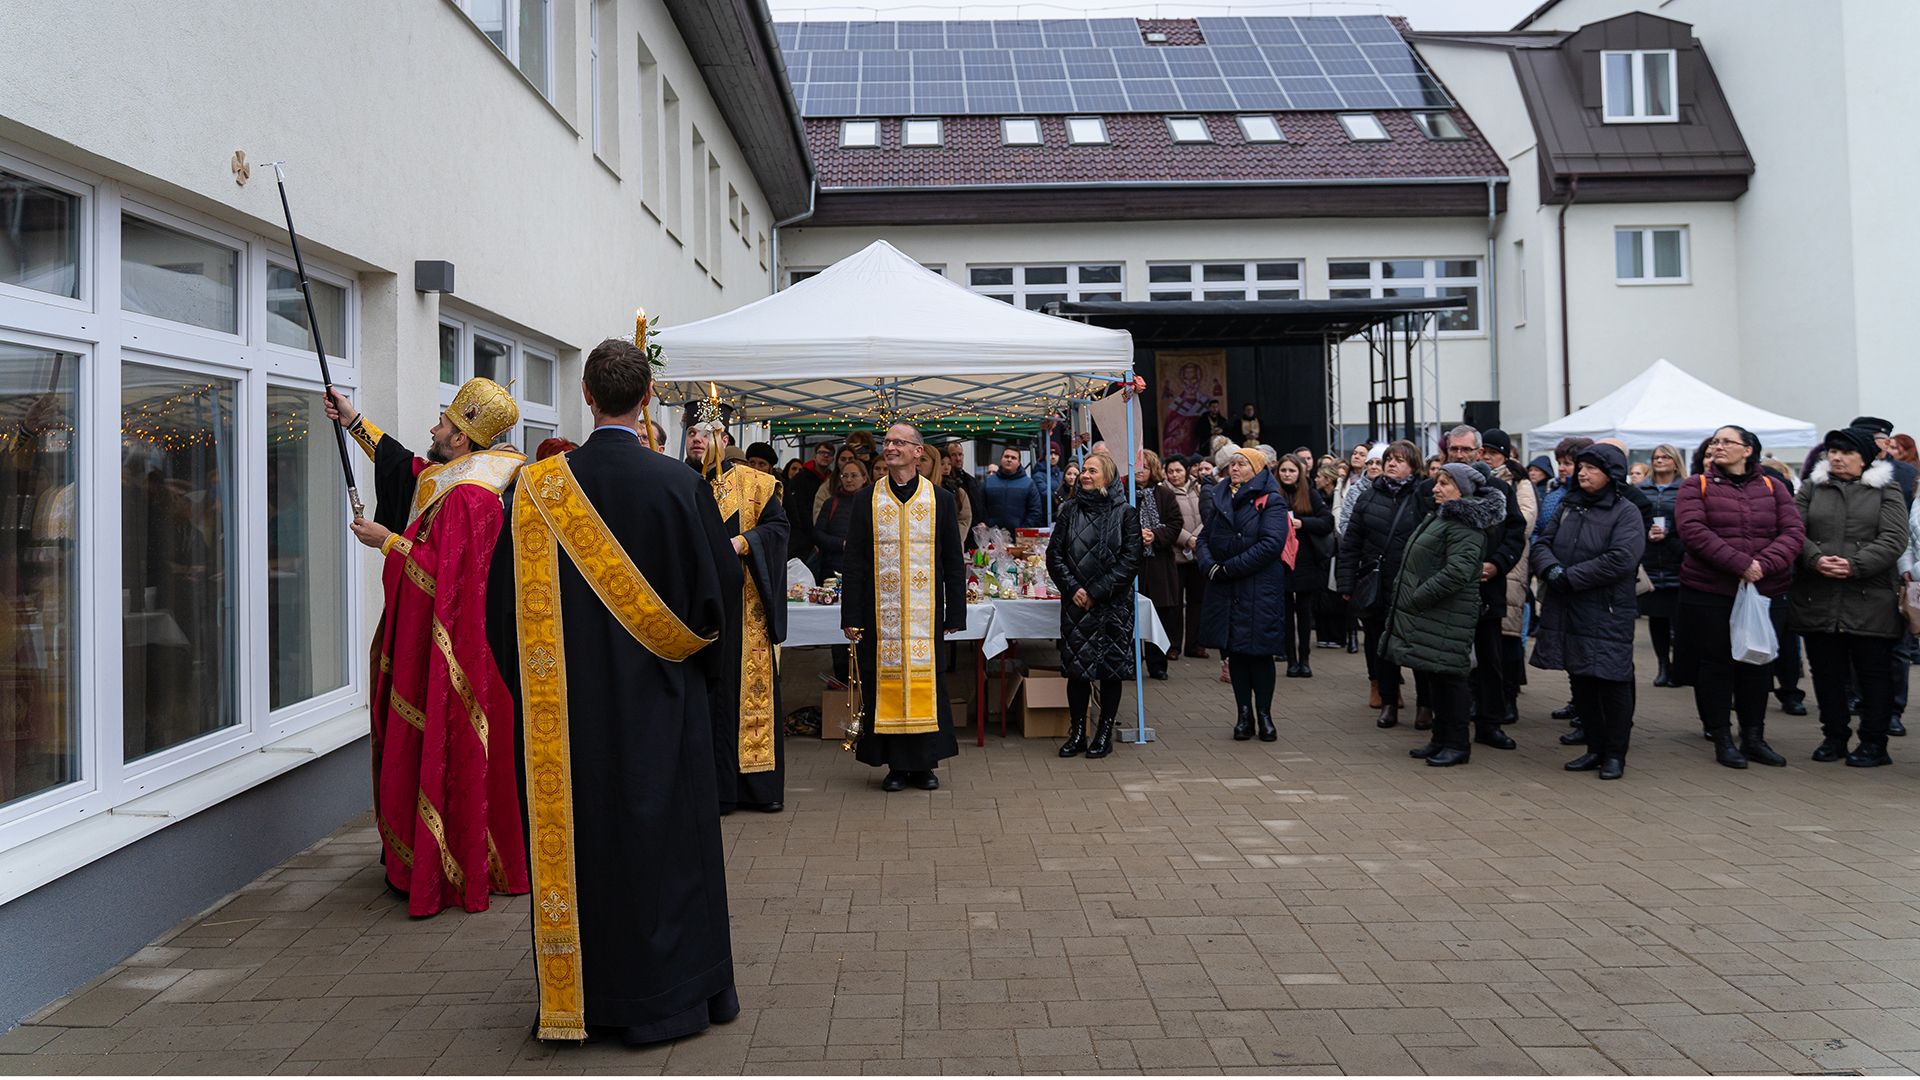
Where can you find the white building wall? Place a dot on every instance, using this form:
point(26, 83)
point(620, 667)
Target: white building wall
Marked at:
point(407, 135)
point(1464, 371)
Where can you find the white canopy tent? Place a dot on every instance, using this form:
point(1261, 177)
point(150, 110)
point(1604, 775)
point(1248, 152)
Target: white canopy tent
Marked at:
point(1664, 404)
point(878, 335)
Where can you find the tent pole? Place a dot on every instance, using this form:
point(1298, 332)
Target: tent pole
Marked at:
point(1139, 678)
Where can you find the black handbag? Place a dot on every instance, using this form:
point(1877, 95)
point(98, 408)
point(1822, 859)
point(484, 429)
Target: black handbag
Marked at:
point(1367, 587)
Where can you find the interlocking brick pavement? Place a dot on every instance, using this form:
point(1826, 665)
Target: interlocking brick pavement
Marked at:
point(1319, 904)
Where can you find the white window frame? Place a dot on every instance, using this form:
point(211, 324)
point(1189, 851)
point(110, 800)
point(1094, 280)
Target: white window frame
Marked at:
point(1204, 138)
point(1099, 122)
point(1350, 121)
point(1006, 131)
point(1075, 290)
point(1428, 120)
point(1637, 73)
point(510, 46)
point(1248, 286)
point(846, 131)
point(103, 336)
point(593, 68)
point(939, 133)
point(519, 347)
point(1646, 255)
point(1246, 131)
point(1429, 283)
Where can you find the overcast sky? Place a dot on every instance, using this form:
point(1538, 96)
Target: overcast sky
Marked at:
point(1423, 14)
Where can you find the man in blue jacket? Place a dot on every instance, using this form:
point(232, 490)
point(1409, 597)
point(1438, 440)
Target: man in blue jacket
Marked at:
point(1009, 499)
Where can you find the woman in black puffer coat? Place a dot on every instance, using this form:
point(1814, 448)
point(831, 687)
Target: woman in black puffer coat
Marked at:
point(1369, 562)
point(1589, 556)
point(1092, 556)
point(1244, 614)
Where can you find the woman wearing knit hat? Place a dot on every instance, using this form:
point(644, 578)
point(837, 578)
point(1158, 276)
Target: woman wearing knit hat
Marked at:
point(1436, 602)
point(1244, 612)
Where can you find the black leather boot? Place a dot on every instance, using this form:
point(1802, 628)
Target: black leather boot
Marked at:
point(1567, 713)
point(1243, 727)
point(1102, 743)
point(1584, 763)
point(1267, 734)
point(1422, 718)
point(1353, 641)
point(1895, 728)
point(1794, 704)
point(1306, 672)
point(1487, 733)
point(1613, 768)
point(1512, 715)
point(1389, 715)
point(1076, 737)
point(1661, 678)
point(1831, 748)
point(1869, 754)
point(1725, 752)
point(1753, 743)
point(1433, 747)
point(1576, 737)
point(1450, 756)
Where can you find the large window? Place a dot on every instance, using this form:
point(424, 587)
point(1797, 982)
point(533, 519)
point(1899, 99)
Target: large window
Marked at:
point(470, 349)
point(39, 236)
point(1269, 280)
point(306, 550)
point(523, 30)
point(171, 275)
point(1638, 86)
point(287, 311)
point(1650, 256)
point(39, 698)
point(1355, 279)
point(178, 501)
point(1034, 287)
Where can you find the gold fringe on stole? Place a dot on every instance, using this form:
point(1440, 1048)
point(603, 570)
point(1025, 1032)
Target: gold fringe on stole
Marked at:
point(904, 612)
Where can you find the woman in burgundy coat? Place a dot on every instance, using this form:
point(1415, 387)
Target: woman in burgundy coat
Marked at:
point(1739, 525)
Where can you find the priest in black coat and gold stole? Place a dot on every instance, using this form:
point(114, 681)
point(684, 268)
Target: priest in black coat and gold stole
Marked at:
point(623, 580)
point(749, 740)
point(903, 589)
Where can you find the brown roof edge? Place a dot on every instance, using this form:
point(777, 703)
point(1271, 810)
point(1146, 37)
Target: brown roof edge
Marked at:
point(1000, 204)
point(1535, 14)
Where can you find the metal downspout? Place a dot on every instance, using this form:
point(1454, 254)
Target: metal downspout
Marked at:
point(1566, 338)
point(813, 191)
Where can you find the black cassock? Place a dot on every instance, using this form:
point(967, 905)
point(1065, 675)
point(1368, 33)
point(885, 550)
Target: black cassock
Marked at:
point(766, 563)
point(905, 753)
point(656, 954)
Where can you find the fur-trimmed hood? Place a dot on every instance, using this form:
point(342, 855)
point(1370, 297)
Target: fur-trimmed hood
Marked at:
point(1482, 511)
point(1878, 475)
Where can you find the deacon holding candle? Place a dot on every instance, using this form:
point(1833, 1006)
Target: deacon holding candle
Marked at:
point(445, 780)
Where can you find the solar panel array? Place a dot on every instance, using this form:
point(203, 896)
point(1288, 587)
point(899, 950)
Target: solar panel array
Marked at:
point(1102, 66)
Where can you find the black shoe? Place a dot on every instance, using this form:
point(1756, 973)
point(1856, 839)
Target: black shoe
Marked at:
point(1243, 727)
point(1612, 769)
point(1576, 737)
point(1450, 757)
point(925, 781)
point(1726, 753)
point(1076, 737)
point(1491, 735)
point(1753, 744)
point(1794, 708)
point(1353, 643)
point(1853, 705)
point(771, 808)
point(1584, 763)
point(1293, 670)
point(1102, 743)
point(1895, 728)
point(1568, 713)
point(1512, 715)
point(1161, 674)
point(1389, 715)
point(1267, 734)
point(1422, 718)
point(895, 781)
point(1868, 755)
point(1306, 670)
point(1661, 678)
point(1426, 751)
point(1831, 749)
point(1706, 733)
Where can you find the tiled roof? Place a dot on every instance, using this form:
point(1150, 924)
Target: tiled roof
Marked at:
point(1142, 150)
point(1178, 31)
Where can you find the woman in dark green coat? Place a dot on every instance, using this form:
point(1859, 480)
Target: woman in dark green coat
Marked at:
point(1436, 602)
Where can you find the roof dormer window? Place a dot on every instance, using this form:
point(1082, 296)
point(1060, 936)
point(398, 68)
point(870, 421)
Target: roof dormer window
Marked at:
point(1364, 127)
point(859, 133)
point(1189, 129)
point(1638, 86)
point(1020, 131)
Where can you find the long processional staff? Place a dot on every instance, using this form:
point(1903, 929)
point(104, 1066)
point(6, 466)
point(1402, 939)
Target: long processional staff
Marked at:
point(904, 584)
point(749, 743)
point(623, 579)
point(445, 786)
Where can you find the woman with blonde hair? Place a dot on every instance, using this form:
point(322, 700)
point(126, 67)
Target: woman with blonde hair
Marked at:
point(1160, 526)
point(1095, 549)
point(1664, 553)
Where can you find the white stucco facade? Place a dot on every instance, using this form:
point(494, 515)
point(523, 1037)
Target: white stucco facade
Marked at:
point(606, 181)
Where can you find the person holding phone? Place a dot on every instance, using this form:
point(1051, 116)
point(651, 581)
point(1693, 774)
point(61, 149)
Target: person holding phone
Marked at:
point(1662, 560)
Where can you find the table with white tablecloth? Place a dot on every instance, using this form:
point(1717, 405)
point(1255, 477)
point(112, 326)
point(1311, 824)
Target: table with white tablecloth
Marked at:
point(819, 624)
point(1035, 620)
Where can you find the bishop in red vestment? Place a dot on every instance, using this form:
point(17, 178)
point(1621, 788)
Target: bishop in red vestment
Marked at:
point(445, 773)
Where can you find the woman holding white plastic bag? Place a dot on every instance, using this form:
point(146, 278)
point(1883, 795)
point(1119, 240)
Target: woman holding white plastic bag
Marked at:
point(1739, 526)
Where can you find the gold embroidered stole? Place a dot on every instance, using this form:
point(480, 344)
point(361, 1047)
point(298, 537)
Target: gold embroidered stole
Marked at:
point(904, 699)
point(550, 515)
point(745, 491)
point(490, 469)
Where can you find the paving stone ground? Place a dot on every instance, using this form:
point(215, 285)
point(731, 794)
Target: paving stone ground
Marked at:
point(1319, 904)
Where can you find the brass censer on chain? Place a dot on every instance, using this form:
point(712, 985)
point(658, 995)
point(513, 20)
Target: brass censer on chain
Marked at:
point(856, 704)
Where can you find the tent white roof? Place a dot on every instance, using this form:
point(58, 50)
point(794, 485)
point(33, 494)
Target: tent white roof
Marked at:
point(877, 333)
point(1666, 405)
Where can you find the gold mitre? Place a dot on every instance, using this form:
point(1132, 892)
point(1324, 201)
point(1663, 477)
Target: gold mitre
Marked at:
point(483, 409)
